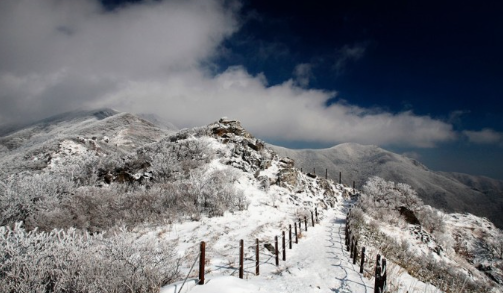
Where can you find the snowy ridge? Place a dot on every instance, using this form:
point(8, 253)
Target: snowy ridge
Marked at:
point(101, 132)
point(452, 192)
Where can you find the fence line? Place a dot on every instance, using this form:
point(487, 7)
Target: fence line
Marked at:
point(193, 264)
point(326, 176)
point(351, 247)
point(257, 248)
point(380, 273)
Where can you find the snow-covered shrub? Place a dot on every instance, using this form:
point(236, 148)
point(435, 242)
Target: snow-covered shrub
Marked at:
point(445, 240)
point(173, 159)
point(214, 192)
point(65, 261)
point(23, 195)
point(431, 219)
point(357, 220)
point(96, 209)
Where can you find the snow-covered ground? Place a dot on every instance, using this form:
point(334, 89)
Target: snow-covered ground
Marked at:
point(318, 263)
point(268, 195)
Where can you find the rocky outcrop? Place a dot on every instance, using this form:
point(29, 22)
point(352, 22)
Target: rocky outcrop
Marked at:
point(409, 216)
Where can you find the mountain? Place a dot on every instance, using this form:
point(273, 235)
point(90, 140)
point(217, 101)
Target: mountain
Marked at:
point(142, 197)
point(158, 121)
point(452, 192)
point(104, 131)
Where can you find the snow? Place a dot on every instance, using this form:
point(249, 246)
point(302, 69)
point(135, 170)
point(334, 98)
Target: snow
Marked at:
point(318, 263)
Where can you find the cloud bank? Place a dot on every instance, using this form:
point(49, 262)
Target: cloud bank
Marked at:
point(484, 136)
point(157, 57)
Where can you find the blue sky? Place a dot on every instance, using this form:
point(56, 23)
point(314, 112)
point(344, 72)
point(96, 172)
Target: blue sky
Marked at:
point(442, 59)
point(421, 79)
point(436, 59)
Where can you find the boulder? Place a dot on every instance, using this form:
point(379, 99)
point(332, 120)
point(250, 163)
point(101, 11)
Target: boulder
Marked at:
point(287, 178)
point(287, 162)
point(409, 215)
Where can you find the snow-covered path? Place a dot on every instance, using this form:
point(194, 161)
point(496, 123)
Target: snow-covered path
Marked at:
point(318, 263)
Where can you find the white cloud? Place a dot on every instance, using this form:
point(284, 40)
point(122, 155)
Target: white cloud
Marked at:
point(92, 51)
point(59, 55)
point(282, 111)
point(303, 74)
point(484, 136)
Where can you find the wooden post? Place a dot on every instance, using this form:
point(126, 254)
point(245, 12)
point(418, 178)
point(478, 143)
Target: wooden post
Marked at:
point(314, 171)
point(241, 256)
point(346, 235)
point(305, 222)
point(348, 240)
point(326, 174)
point(284, 246)
point(316, 214)
point(355, 253)
point(296, 235)
point(351, 247)
point(362, 261)
point(384, 275)
point(257, 257)
point(276, 249)
point(353, 185)
point(312, 217)
point(201, 262)
point(290, 236)
point(377, 283)
point(300, 170)
point(340, 177)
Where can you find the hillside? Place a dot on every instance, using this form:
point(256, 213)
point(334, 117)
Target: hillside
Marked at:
point(124, 204)
point(452, 192)
point(102, 131)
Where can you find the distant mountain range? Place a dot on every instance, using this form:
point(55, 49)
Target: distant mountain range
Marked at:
point(458, 192)
point(21, 146)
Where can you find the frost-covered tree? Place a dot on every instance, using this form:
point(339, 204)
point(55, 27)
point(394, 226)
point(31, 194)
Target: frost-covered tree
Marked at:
point(379, 193)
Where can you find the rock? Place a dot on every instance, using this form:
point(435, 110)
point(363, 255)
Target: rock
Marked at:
point(287, 178)
point(265, 164)
point(228, 128)
point(264, 181)
point(108, 178)
point(408, 215)
point(255, 146)
point(286, 162)
point(270, 247)
point(488, 271)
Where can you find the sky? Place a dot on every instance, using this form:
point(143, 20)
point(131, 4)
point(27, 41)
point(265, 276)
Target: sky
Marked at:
point(418, 78)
